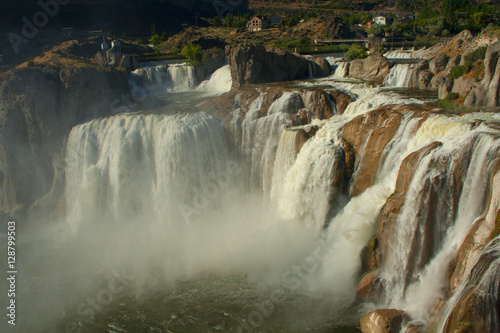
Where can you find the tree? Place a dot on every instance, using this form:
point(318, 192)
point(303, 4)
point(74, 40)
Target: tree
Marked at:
point(193, 53)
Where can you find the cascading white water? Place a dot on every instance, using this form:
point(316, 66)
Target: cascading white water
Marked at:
point(219, 82)
point(349, 231)
point(396, 54)
point(161, 79)
point(122, 166)
point(260, 136)
point(415, 269)
point(303, 189)
point(339, 66)
point(399, 76)
point(483, 282)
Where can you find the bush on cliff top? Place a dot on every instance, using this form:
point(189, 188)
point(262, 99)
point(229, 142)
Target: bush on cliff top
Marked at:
point(355, 52)
point(193, 53)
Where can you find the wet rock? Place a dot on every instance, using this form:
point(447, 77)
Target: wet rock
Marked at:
point(369, 132)
point(389, 214)
point(323, 67)
point(318, 102)
point(369, 288)
point(374, 68)
point(370, 256)
point(383, 321)
point(481, 232)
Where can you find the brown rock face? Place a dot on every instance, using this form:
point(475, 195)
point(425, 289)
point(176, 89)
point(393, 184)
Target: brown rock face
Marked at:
point(369, 132)
point(383, 321)
point(254, 64)
point(338, 29)
point(374, 68)
point(369, 288)
point(38, 108)
point(323, 67)
point(445, 88)
point(478, 307)
point(417, 77)
point(438, 63)
point(392, 208)
point(487, 92)
point(319, 102)
point(483, 230)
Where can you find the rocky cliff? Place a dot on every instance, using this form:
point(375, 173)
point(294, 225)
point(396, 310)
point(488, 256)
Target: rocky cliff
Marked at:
point(38, 108)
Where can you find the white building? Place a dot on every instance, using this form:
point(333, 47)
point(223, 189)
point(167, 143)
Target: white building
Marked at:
point(381, 20)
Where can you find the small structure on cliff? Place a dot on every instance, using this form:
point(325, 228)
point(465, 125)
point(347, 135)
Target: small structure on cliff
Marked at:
point(258, 23)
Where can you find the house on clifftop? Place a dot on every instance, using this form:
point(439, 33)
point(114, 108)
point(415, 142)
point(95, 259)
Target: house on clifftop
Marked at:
point(258, 23)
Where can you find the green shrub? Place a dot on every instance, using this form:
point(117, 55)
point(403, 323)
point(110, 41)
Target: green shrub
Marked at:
point(457, 71)
point(447, 102)
point(193, 53)
point(155, 40)
point(30, 62)
point(355, 52)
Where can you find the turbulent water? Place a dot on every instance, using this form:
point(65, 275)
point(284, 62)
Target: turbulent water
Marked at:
point(169, 229)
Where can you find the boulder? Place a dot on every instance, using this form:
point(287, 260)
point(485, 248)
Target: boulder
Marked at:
point(374, 68)
point(256, 64)
point(383, 321)
point(438, 63)
point(369, 288)
point(323, 67)
point(318, 102)
point(445, 87)
point(424, 79)
point(340, 99)
point(417, 70)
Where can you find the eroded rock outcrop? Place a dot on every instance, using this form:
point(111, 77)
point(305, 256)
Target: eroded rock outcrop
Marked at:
point(487, 92)
point(374, 68)
point(38, 107)
point(370, 132)
point(256, 64)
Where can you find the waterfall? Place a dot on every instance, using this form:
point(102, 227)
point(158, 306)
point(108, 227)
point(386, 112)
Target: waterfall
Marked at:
point(261, 135)
point(303, 190)
point(120, 167)
point(339, 66)
point(396, 54)
point(285, 158)
point(481, 284)
point(434, 221)
point(219, 82)
point(350, 230)
point(162, 79)
point(399, 76)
